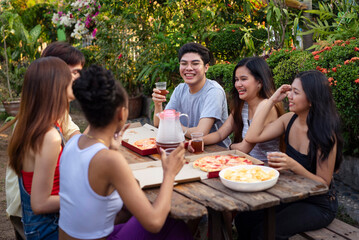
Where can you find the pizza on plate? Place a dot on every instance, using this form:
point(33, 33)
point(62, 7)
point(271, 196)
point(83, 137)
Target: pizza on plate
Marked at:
point(146, 143)
point(219, 162)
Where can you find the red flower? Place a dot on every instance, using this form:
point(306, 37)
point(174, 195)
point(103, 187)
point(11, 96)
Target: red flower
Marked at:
point(334, 69)
point(316, 57)
point(318, 68)
point(327, 48)
point(294, 48)
point(324, 70)
point(347, 62)
point(233, 30)
point(357, 81)
point(119, 56)
point(330, 79)
point(338, 41)
point(347, 42)
point(354, 59)
point(353, 38)
point(339, 65)
point(356, 49)
point(229, 5)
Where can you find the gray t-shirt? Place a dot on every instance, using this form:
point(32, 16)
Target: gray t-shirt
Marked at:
point(209, 102)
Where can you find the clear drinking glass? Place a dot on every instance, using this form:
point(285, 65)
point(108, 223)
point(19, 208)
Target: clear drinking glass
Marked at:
point(162, 86)
point(197, 142)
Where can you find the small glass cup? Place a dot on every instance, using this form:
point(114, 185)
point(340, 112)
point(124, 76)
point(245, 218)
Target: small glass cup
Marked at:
point(162, 87)
point(272, 156)
point(197, 142)
point(169, 150)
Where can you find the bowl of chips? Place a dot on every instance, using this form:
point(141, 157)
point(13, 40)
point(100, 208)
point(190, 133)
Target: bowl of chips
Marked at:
point(249, 178)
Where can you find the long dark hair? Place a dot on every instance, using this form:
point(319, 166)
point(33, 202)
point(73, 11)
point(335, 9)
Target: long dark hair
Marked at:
point(99, 95)
point(43, 102)
point(323, 119)
point(262, 73)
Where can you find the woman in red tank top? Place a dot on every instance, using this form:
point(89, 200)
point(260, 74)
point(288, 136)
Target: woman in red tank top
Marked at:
point(36, 145)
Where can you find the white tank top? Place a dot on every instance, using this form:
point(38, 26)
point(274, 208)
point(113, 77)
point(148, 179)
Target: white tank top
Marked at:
point(260, 149)
point(83, 213)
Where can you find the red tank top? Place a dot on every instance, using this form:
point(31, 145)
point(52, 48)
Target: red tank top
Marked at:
point(27, 176)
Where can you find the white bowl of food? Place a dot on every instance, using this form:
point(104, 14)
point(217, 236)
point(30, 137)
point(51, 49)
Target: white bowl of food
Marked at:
point(249, 178)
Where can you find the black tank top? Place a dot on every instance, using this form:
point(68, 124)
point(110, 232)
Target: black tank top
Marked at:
point(303, 159)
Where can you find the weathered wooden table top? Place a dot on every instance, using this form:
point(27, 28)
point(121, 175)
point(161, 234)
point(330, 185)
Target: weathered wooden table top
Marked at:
point(191, 200)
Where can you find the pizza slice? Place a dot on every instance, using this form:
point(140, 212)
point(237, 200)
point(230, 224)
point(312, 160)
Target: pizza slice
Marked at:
point(146, 143)
point(219, 162)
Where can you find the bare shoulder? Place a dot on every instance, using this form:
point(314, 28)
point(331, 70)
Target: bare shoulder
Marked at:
point(110, 160)
point(285, 118)
point(52, 137)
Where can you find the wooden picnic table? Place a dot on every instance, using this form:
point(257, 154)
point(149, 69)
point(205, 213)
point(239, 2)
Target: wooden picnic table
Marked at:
point(210, 197)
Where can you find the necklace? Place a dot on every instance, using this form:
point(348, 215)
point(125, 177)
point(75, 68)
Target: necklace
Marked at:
point(98, 139)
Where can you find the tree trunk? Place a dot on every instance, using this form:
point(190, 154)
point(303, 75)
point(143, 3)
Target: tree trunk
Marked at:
point(307, 39)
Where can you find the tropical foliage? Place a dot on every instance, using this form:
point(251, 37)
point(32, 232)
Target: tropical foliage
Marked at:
point(139, 39)
point(335, 20)
point(340, 63)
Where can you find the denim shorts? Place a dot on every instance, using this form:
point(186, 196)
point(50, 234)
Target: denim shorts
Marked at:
point(37, 226)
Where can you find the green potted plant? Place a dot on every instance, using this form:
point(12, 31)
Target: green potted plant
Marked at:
point(18, 48)
point(7, 94)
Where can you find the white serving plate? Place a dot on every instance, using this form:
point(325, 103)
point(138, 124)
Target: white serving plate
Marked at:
point(251, 186)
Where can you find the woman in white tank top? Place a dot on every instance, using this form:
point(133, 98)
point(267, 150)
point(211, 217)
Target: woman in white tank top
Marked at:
point(96, 180)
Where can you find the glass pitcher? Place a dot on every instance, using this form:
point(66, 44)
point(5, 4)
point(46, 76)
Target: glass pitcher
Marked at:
point(170, 133)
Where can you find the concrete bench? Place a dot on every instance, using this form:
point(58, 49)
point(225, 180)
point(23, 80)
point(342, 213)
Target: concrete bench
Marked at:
point(336, 230)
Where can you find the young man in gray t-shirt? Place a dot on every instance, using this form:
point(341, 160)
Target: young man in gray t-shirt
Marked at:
point(202, 99)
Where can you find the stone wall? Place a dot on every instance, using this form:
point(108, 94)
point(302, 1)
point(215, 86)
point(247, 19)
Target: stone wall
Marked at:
point(349, 172)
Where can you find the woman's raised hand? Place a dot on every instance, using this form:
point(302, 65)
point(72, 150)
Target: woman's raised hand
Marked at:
point(173, 163)
point(281, 93)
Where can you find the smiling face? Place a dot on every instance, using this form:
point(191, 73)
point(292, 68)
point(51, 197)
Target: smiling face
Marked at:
point(75, 73)
point(192, 69)
point(247, 86)
point(298, 101)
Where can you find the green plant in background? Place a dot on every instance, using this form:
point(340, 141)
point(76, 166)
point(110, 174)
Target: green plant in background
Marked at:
point(223, 74)
point(234, 41)
point(40, 13)
point(18, 48)
point(22, 44)
point(159, 29)
point(335, 20)
point(340, 63)
point(282, 25)
point(117, 46)
point(286, 69)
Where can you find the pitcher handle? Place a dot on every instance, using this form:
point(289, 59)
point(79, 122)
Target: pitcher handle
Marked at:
point(183, 114)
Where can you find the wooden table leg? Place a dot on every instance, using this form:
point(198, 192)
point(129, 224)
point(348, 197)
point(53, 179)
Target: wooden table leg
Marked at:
point(269, 223)
point(216, 227)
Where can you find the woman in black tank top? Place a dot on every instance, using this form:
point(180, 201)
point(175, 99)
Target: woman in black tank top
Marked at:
point(313, 150)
